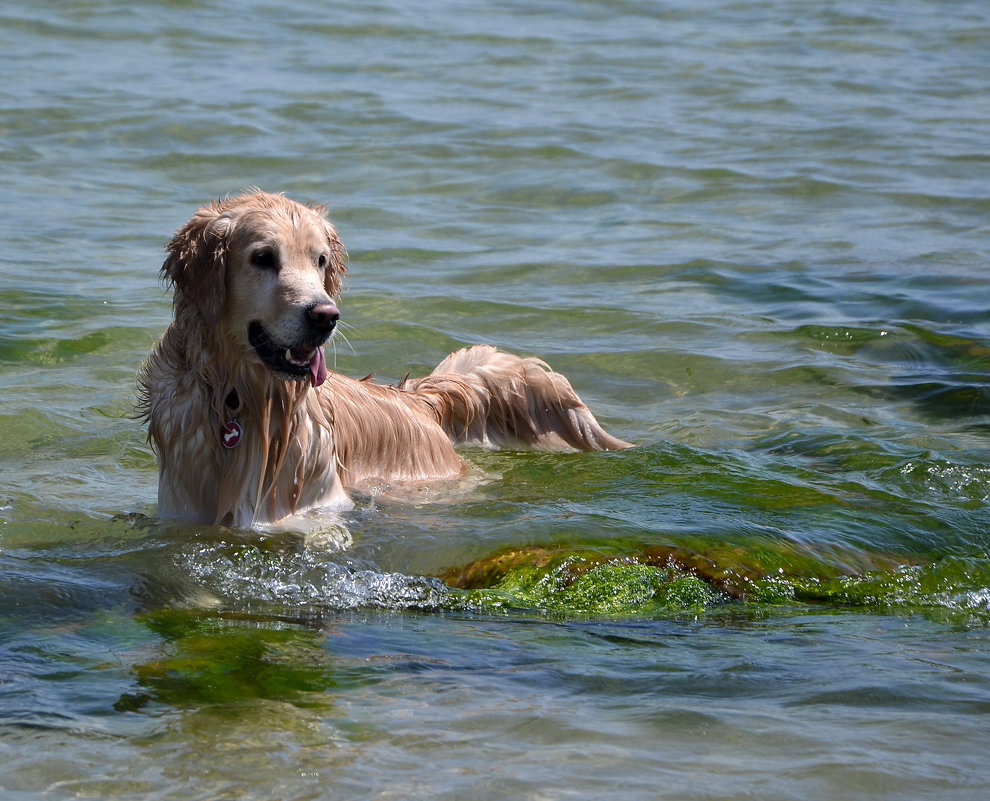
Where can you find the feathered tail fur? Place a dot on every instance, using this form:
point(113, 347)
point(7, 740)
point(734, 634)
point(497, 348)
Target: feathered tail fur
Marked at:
point(484, 396)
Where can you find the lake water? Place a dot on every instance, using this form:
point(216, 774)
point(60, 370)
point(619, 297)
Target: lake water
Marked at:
point(755, 237)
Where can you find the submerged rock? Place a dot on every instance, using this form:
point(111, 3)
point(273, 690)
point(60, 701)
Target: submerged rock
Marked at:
point(646, 581)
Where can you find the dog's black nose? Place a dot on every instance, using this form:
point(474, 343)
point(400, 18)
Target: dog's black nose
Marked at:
point(323, 316)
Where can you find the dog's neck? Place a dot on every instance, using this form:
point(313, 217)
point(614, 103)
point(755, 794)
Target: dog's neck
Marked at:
point(282, 459)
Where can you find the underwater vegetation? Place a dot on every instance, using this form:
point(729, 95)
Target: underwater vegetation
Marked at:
point(659, 581)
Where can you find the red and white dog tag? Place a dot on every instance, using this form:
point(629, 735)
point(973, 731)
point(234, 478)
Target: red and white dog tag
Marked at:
point(231, 434)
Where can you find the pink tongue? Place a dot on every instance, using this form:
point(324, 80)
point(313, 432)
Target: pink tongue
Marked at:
point(318, 368)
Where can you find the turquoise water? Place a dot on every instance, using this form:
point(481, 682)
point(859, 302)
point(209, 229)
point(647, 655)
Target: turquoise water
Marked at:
point(754, 235)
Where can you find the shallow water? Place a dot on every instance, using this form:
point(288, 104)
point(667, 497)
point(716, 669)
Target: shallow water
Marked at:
point(754, 235)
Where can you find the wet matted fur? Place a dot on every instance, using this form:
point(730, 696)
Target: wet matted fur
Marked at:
point(242, 363)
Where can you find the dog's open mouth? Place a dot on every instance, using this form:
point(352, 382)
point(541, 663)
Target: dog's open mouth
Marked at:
point(295, 362)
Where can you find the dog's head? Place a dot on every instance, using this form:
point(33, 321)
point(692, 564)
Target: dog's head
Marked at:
point(263, 270)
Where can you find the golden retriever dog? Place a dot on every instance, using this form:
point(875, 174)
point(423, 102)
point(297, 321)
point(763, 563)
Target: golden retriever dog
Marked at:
point(248, 424)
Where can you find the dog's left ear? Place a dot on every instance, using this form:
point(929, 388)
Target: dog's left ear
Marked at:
point(196, 264)
point(337, 268)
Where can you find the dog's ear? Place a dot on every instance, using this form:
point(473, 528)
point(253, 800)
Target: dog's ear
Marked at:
point(196, 264)
point(337, 268)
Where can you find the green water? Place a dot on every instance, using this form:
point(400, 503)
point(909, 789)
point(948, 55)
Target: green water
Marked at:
point(754, 236)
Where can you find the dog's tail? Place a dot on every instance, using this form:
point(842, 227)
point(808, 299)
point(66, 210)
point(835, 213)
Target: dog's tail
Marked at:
point(485, 396)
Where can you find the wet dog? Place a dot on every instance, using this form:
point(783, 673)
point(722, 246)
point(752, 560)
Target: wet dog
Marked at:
point(249, 425)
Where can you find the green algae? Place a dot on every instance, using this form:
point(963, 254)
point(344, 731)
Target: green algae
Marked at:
point(218, 659)
point(575, 585)
point(596, 581)
point(951, 587)
point(585, 581)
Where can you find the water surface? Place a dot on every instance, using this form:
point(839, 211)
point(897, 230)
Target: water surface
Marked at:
point(754, 235)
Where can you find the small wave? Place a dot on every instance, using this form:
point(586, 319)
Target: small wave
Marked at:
point(954, 482)
point(301, 580)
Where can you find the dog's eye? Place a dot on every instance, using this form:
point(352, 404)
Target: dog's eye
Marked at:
point(322, 261)
point(264, 259)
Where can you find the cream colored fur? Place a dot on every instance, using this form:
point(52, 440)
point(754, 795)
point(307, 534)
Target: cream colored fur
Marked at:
point(304, 441)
